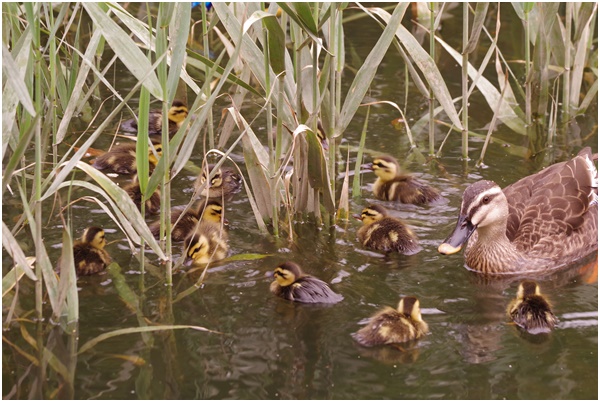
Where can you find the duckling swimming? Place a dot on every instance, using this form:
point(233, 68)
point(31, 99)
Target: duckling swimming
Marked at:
point(531, 310)
point(207, 244)
point(225, 183)
point(122, 158)
point(89, 255)
point(176, 115)
point(183, 224)
point(392, 185)
point(291, 283)
point(390, 326)
point(384, 233)
point(133, 190)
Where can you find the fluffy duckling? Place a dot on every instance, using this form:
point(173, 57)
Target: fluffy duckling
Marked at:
point(207, 211)
point(207, 244)
point(89, 255)
point(133, 190)
point(121, 158)
point(225, 183)
point(384, 233)
point(293, 284)
point(176, 115)
point(530, 310)
point(389, 326)
point(392, 185)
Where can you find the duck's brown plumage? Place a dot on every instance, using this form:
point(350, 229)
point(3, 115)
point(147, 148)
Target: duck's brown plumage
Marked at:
point(530, 310)
point(393, 185)
point(176, 115)
point(207, 244)
point(391, 326)
point(385, 233)
point(540, 223)
point(291, 283)
point(89, 255)
point(122, 159)
point(152, 204)
point(225, 183)
point(184, 223)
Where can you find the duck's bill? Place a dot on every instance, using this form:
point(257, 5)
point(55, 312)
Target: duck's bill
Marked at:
point(453, 243)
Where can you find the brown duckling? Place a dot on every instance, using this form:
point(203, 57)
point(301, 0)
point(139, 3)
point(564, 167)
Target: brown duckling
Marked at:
point(384, 233)
point(183, 224)
point(207, 244)
point(531, 310)
point(391, 326)
point(392, 185)
point(291, 283)
point(89, 255)
point(225, 183)
point(121, 158)
point(176, 115)
point(134, 192)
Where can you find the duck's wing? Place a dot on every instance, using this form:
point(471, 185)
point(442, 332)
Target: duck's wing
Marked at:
point(309, 289)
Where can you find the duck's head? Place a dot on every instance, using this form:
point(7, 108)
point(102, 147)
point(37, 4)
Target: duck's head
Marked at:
point(527, 289)
point(287, 273)
point(372, 213)
point(154, 153)
point(198, 249)
point(322, 136)
point(178, 111)
point(213, 212)
point(385, 167)
point(94, 236)
point(225, 181)
point(484, 206)
point(409, 306)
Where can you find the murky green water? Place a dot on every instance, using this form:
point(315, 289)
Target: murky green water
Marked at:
point(265, 347)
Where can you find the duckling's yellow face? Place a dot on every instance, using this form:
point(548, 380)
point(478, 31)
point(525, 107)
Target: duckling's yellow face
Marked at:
point(385, 168)
point(94, 237)
point(199, 250)
point(212, 213)
point(154, 154)
point(217, 179)
point(528, 288)
point(409, 306)
point(370, 215)
point(178, 112)
point(287, 273)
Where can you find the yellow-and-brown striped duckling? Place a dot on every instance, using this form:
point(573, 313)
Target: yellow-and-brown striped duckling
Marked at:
point(291, 283)
point(207, 244)
point(225, 183)
point(89, 254)
point(393, 185)
point(176, 115)
point(382, 232)
point(122, 158)
point(531, 310)
point(133, 190)
point(183, 224)
point(393, 326)
point(542, 222)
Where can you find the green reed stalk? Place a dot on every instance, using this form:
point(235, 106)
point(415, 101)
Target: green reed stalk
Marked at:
point(465, 84)
point(211, 135)
point(566, 102)
point(527, 7)
point(432, 8)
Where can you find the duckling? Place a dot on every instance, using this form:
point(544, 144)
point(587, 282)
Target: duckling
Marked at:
point(225, 183)
point(183, 226)
point(389, 326)
point(293, 284)
point(530, 310)
point(121, 158)
point(89, 255)
point(384, 233)
point(134, 192)
point(176, 115)
point(392, 185)
point(207, 244)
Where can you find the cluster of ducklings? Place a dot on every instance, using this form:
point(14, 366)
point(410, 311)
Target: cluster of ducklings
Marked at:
point(202, 230)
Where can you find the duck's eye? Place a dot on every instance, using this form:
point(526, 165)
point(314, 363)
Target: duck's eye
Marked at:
point(486, 199)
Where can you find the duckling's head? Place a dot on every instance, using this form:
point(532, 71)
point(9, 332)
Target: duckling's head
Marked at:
point(372, 213)
point(154, 154)
point(225, 180)
point(409, 306)
point(94, 236)
point(385, 167)
point(198, 249)
point(213, 211)
point(322, 136)
point(178, 111)
point(527, 289)
point(287, 273)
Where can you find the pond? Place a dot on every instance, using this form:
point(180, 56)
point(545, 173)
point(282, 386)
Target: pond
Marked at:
point(262, 347)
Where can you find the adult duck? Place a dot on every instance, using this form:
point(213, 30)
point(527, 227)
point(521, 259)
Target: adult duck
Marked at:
point(540, 223)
